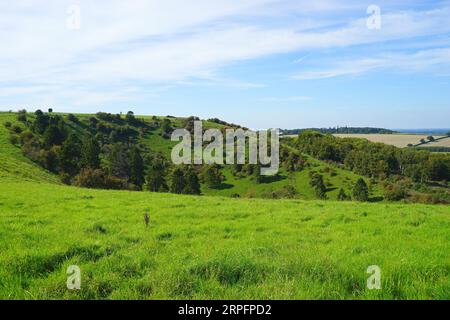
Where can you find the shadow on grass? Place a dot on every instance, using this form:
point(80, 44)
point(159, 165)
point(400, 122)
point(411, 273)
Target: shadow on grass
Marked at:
point(223, 186)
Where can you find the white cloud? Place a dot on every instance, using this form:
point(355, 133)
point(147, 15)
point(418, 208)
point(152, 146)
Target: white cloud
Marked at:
point(178, 41)
point(410, 62)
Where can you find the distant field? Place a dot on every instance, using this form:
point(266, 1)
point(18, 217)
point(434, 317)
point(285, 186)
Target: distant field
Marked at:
point(398, 140)
point(440, 143)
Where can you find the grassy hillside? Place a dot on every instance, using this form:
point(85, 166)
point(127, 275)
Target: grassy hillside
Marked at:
point(207, 247)
point(334, 177)
point(13, 165)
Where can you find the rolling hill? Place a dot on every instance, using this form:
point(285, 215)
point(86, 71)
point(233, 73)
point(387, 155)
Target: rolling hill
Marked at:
point(209, 247)
point(334, 177)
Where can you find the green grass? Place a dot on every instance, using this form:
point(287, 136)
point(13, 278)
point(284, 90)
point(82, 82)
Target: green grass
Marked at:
point(210, 247)
point(13, 165)
point(246, 187)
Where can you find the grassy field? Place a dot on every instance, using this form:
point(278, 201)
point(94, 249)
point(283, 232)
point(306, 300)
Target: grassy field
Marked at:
point(210, 247)
point(398, 140)
point(445, 142)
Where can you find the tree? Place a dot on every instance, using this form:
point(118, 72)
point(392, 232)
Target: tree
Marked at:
point(155, 179)
point(319, 186)
point(50, 110)
point(90, 153)
point(212, 176)
point(294, 162)
point(130, 117)
point(436, 169)
point(192, 184)
point(256, 173)
point(177, 181)
point(448, 134)
point(430, 138)
point(41, 121)
point(22, 115)
point(72, 117)
point(52, 136)
point(166, 128)
point(69, 155)
point(360, 191)
point(136, 167)
point(49, 159)
point(119, 161)
point(342, 196)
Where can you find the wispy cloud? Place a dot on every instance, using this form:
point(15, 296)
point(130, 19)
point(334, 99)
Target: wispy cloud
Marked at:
point(436, 59)
point(175, 42)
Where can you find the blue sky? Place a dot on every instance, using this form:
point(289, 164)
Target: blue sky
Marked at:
point(260, 63)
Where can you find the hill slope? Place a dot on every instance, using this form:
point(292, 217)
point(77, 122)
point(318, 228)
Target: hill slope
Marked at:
point(335, 178)
point(13, 165)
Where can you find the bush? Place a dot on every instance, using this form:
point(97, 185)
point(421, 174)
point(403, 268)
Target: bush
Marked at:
point(32, 149)
point(22, 115)
point(342, 196)
point(65, 178)
point(73, 118)
point(97, 179)
point(394, 193)
point(26, 136)
point(14, 139)
point(287, 191)
point(90, 178)
point(361, 191)
point(7, 124)
point(49, 159)
point(16, 129)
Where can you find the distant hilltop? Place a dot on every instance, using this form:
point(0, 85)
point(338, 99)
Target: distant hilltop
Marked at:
point(335, 130)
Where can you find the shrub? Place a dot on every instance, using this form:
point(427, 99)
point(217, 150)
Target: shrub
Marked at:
point(22, 115)
point(16, 129)
point(31, 149)
point(90, 178)
point(49, 159)
point(65, 178)
point(212, 176)
point(342, 196)
point(97, 179)
point(7, 124)
point(73, 118)
point(288, 191)
point(14, 139)
point(26, 136)
point(361, 191)
point(394, 192)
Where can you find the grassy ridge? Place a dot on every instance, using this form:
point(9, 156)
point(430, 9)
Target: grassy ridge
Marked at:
point(13, 165)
